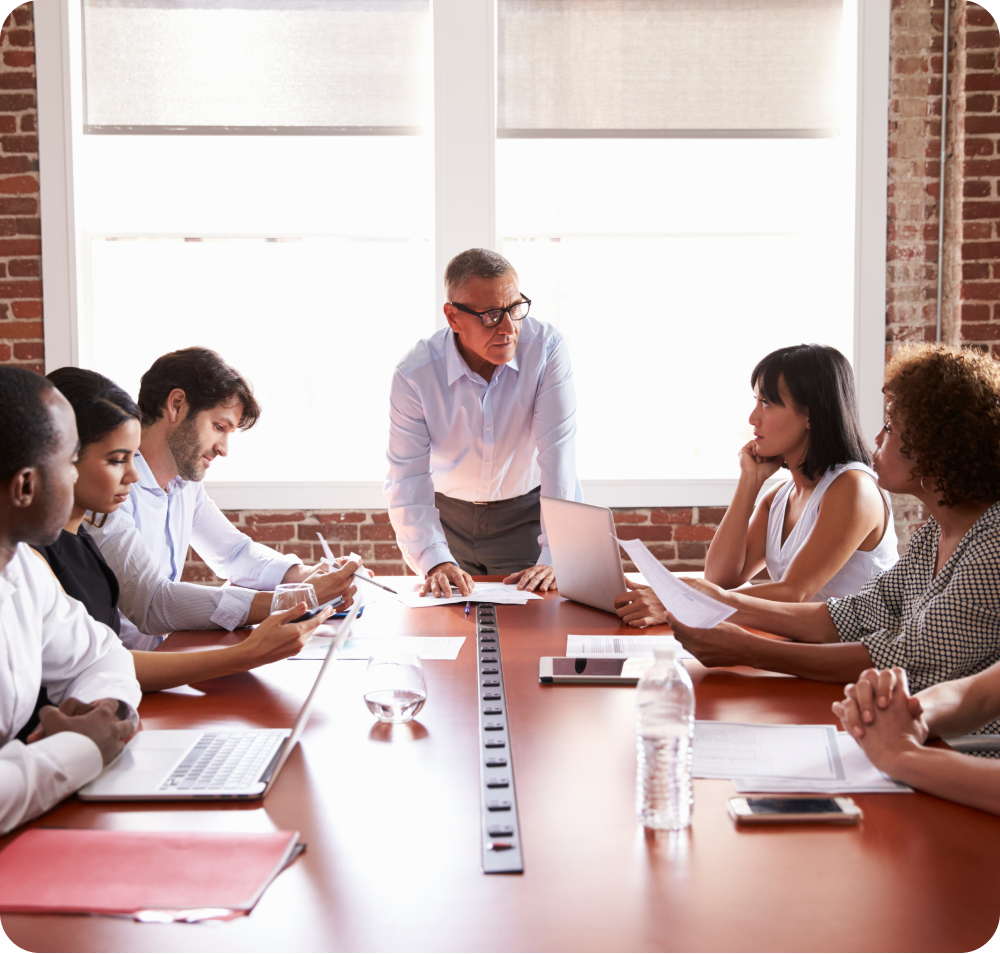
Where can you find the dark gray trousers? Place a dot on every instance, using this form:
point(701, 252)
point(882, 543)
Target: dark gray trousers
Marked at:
point(488, 539)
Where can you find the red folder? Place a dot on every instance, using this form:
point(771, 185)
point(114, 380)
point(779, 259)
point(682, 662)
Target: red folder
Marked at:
point(153, 876)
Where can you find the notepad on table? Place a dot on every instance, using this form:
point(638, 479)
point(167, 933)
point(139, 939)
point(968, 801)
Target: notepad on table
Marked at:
point(150, 876)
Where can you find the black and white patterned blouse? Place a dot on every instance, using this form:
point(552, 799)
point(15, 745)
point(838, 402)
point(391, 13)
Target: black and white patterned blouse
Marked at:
point(935, 627)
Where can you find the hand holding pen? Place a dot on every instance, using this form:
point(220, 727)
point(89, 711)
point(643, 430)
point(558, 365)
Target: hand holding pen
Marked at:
point(329, 559)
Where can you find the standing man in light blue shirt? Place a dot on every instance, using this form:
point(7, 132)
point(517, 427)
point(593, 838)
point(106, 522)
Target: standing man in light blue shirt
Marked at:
point(191, 401)
point(482, 422)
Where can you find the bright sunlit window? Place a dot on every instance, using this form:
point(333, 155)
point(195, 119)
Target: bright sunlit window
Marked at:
point(679, 183)
point(262, 185)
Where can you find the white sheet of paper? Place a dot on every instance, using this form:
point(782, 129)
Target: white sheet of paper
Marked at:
point(507, 595)
point(617, 647)
point(746, 750)
point(786, 758)
point(860, 777)
point(363, 647)
point(688, 605)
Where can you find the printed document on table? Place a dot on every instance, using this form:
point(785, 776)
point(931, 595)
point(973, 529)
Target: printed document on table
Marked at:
point(860, 777)
point(618, 647)
point(364, 647)
point(785, 758)
point(690, 606)
point(506, 595)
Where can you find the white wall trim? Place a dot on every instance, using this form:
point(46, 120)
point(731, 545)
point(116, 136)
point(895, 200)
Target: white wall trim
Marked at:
point(871, 209)
point(60, 248)
point(464, 131)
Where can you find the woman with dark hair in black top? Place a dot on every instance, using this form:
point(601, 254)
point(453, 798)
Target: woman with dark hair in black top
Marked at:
point(107, 421)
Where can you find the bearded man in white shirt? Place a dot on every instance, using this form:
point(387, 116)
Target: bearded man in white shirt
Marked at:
point(47, 638)
point(191, 401)
point(482, 423)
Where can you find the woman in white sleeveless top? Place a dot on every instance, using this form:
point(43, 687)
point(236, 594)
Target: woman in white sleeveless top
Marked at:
point(828, 530)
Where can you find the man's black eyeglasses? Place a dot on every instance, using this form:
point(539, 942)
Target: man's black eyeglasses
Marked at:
point(494, 316)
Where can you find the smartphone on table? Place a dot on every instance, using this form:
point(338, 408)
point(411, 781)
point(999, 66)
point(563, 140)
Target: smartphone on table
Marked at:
point(782, 809)
point(583, 669)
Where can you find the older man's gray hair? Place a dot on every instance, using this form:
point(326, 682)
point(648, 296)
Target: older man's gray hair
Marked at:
point(475, 263)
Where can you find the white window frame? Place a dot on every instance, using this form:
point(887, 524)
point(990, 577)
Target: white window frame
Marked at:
point(465, 216)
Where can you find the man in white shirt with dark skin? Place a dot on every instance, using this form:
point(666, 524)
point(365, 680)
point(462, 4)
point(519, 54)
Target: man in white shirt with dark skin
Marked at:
point(482, 423)
point(48, 638)
point(191, 402)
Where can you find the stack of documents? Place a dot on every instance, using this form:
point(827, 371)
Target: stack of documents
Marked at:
point(786, 758)
point(505, 594)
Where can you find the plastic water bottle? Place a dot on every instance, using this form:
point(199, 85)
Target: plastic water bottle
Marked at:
point(664, 719)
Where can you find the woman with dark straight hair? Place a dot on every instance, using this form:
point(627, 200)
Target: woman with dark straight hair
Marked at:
point(828, 530)
point(825, 532)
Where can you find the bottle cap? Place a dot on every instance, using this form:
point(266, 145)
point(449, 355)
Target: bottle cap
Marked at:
point(668, 649)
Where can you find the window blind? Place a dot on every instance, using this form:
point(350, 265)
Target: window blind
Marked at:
point(684, 68)
point(351, 67)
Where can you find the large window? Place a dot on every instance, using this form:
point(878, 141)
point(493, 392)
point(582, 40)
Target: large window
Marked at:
point(683, 186)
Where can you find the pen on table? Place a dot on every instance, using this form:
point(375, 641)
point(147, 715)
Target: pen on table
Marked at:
point(328, 558)
point(468, 606)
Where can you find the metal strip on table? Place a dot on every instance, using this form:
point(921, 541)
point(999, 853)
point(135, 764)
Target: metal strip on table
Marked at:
point(501, 837)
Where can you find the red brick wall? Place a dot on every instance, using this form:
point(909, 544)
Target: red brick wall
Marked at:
point(20, 228)
point(971, 201)
point(977, 152)
point(680, 536)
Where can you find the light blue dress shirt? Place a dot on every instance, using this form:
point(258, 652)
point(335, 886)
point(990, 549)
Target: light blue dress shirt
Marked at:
point(453, 433)
point(145, 542)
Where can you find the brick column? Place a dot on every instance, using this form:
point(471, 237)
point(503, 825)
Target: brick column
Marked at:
point(21, 339)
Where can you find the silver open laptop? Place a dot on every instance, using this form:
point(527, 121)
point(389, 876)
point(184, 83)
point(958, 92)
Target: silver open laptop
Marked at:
point(584, 552)
point(195, 764)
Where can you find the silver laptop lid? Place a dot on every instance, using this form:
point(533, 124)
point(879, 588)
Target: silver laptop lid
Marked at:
point(300, 723)
point(584, 552)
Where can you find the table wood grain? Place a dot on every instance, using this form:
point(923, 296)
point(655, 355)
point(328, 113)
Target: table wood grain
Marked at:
point(391, 818)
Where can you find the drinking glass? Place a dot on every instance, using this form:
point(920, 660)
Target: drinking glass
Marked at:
point(394, 686)
point(286, 595)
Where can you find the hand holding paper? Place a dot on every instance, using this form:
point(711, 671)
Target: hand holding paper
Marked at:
point(686, 604)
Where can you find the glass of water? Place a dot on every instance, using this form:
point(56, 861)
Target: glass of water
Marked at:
point(394, 689)
point(287, 595)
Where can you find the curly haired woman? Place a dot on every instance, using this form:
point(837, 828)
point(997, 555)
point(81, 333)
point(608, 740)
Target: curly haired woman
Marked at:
point(936, 613)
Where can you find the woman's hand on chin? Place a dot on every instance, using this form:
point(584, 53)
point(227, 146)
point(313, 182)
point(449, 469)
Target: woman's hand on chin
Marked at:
point(756, 467)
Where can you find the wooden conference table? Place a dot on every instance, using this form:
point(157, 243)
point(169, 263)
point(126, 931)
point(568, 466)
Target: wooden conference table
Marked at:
point(391, 818)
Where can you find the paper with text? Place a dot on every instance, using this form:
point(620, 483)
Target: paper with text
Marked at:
point(504, 594)
point(618, 647)
point(687, 604)
point(364, 647)
point(786, 758)
point(860, 776)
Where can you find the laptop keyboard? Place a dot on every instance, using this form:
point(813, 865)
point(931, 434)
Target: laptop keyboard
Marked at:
point(224, 760)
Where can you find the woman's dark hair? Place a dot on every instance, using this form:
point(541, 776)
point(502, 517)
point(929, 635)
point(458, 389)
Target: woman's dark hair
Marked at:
point(99, 404)
point(945, 404)
point(818, 378)
point(206, 381)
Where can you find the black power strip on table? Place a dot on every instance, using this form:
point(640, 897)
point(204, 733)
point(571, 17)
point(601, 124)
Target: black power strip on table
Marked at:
point(501, 836)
